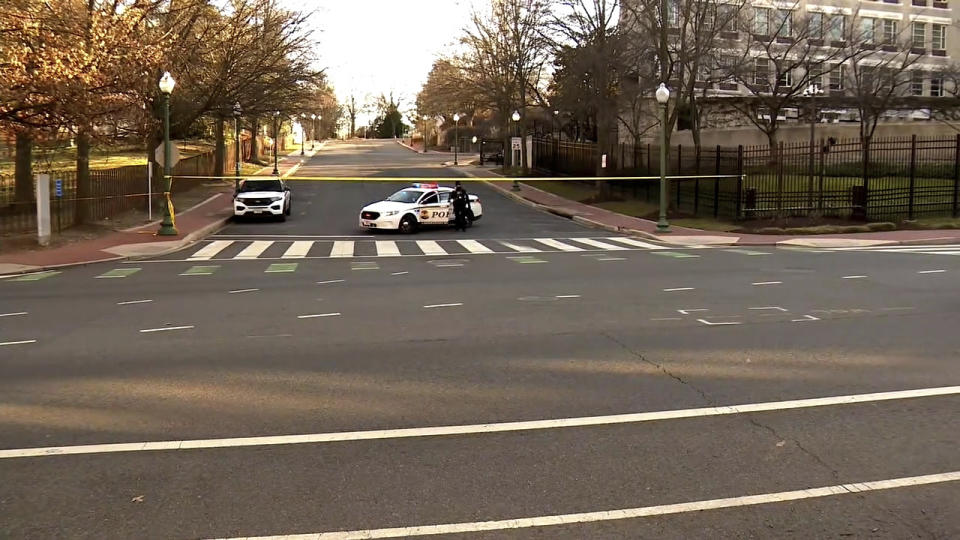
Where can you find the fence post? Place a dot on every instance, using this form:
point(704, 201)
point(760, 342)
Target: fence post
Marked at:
point(676, 183)
point(696, 183)
point(739, 179)
point(779, 151)
point(913, 175)
point(716, 187)
point(956, 172)
point(865, 150)
point(43, 209)
point(820, 185)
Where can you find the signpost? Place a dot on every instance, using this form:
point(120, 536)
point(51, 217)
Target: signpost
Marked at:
point(174, 154)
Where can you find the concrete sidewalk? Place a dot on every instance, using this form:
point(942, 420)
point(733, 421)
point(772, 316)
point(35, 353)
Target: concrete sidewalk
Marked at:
point(683, 236)
point(193, 224)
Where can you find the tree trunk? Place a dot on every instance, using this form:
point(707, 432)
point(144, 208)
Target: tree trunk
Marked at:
point(254, 139)
point(84, 187)
point(23, 169)
point(220, 153)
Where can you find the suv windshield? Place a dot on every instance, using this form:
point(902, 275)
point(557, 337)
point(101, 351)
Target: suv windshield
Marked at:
point(260, 185)
point(405, 196)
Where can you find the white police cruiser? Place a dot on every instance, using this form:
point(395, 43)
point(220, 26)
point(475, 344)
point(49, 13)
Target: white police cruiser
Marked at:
point(266, 197)
point(410, 208)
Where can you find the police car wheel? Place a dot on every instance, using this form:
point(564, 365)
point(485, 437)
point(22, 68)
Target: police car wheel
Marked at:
point(408, 225)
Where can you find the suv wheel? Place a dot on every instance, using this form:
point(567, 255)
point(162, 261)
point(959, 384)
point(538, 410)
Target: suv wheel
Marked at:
point(408, 225)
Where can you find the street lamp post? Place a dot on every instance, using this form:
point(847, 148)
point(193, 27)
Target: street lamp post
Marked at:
point(313, 129)
point(516, 118)
point(303, 133)
point(663, 95)
point(167, 227)
point(812, 91)
point(456, 138)
point(237, 112)
point(276, 139)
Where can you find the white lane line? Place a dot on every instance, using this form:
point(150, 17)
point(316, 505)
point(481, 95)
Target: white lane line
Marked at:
point(330, 281)
point(254, 250)
point(762, 283)
point(676, 289)
point(518, 247)
point(240, 291)
point(806, 318)
point(931, 271)
point(210, 250)
point(598, 244)
point(132, 302)
point(431, 306)
point(568, 296)
point(165, 329)
point(556, 244)
point(297, 250)
point(342, 248)
point(17, 314)
point(635, 243)
point(24, 342)
point(627, 513)
point(708, 323)
point(689, 311)
point(769, 308)
point(292, 170)
point(387, 248)
point(429, 247)
point(853, 277)
point(399, 273)
point(473, 429)
point(318, 315)
point(474, 247)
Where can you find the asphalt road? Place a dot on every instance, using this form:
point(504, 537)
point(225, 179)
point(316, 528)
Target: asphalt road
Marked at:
point(345, 350)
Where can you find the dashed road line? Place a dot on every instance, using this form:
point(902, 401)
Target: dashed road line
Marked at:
point(118, 273)
point(764, 283)
point(241, 291)
point(931, 271)
point(432, 306)
point(526, 259)
point(399, 273)
point(853, 277)
point(166, 329)
point(678, 289)
point(24, 342)
point(689, 311)
point(476, 429)
point(318, 315)
point(676, 254)
point(568, 296)
point(769, 308)
point(364, 265)
point(806, 318)
point(628, 513)
point(329, 281)
point(709, 323)
point(15, 314)
point(200, 271)
point(133, 302)
point(281, 268)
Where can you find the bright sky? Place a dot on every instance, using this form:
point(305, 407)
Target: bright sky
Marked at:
point(371, 47)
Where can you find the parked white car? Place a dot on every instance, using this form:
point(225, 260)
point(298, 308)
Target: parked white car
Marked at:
point(266, 197)
point(409, 209)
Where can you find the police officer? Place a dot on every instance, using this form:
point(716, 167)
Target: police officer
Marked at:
point(461, 207)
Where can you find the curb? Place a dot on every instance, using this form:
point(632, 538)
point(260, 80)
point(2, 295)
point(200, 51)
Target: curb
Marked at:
point(410, 148)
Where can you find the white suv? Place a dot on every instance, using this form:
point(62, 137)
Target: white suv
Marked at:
point(269, 196)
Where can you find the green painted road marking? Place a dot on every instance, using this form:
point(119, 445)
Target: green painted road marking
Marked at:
point(747, 252)
point(119, 273)
point(526, 259)
point(36, 277)
point(364, 265)
point(277, 268)
point(200, 271)
point(675, 254)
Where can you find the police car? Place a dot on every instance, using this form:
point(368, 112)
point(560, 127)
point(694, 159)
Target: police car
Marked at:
point(417, 205)
point(263, 197)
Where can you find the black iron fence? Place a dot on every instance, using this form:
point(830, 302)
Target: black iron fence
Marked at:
point(887, 179)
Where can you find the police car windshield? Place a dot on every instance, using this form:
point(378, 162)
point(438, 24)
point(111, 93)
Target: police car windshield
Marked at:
point(260, 185)
point(405, 196)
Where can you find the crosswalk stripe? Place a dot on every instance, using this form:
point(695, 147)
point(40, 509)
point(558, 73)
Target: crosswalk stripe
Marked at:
point(556, 244)
point(598, 244)
point(387, 248)
point(429, 247)
point(342, 248)
point(210, 250)
point(297, 250)
point(521, 249)
point(474, 247)
point(254, 250)
point(635, 243)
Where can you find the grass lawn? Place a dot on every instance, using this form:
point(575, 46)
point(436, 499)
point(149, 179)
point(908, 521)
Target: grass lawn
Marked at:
point(101, 157)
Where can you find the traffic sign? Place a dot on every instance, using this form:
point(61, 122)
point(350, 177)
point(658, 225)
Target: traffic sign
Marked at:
point(174, 154)
point(515, 143)
point(58, 187)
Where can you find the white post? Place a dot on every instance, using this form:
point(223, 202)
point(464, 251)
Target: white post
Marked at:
point(43, 209)
point(149, 190)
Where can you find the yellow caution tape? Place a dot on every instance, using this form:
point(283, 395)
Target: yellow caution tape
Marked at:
point(411, 180)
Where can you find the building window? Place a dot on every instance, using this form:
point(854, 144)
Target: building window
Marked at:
point(785, 79)
point(673, 14)
point(816, 25)
point(889, 31)
point(868, 27)
point(836, 27)
point(936, 86)
point(761, 23)
point(916, 83)
point(761, 72)
point(837, 76)
point(919, 35)
point(938, 35)
point(727, 17)
point(784, 23)
point(816, 78)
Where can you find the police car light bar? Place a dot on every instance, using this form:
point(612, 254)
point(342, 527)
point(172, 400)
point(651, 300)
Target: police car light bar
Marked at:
point(421, 185)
